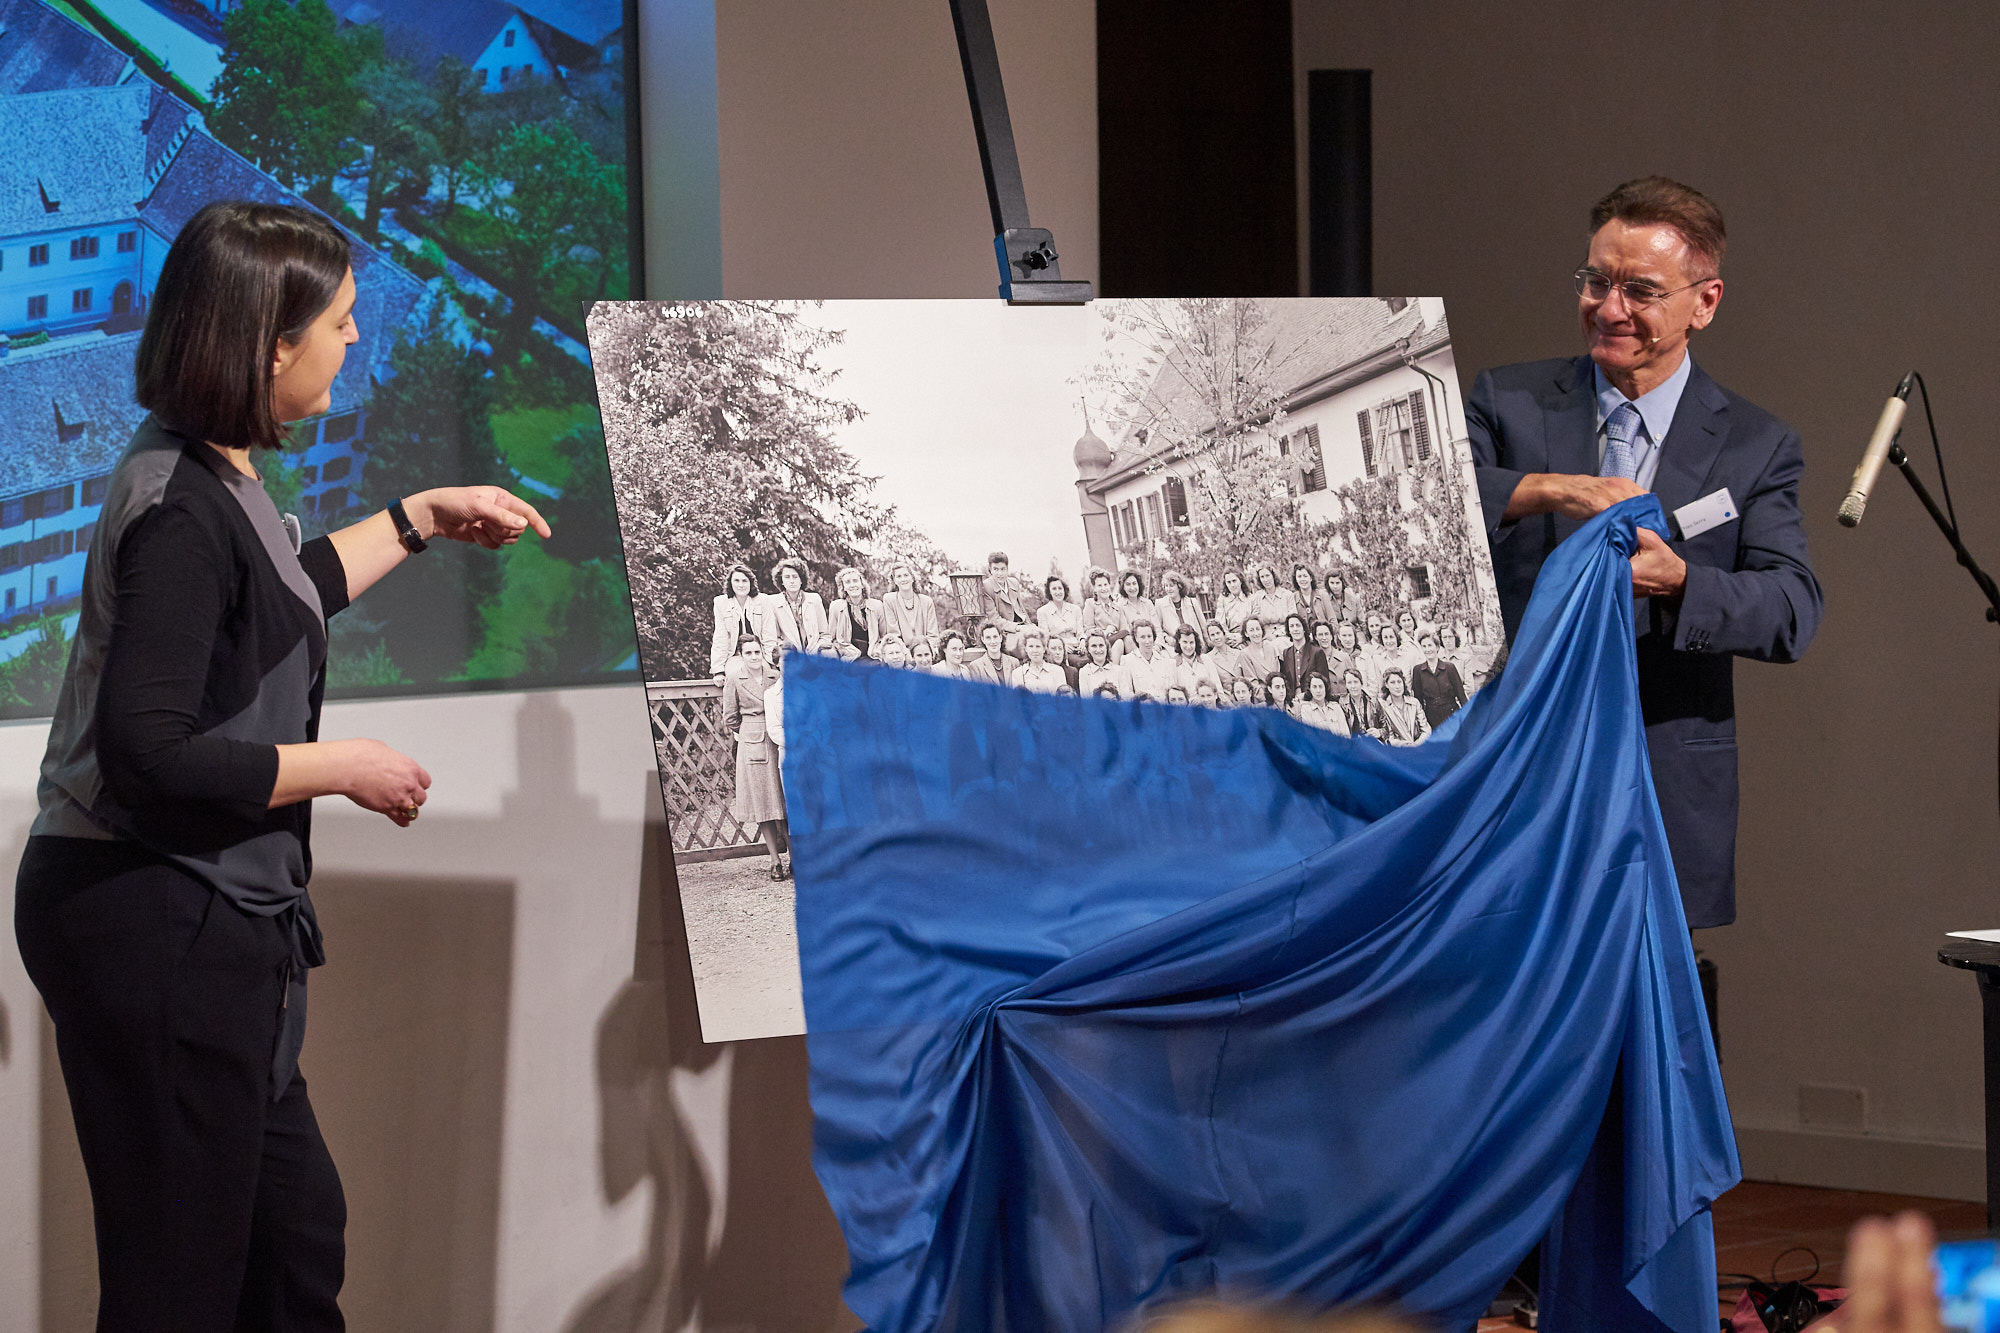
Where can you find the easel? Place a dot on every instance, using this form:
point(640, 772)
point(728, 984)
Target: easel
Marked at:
point(1029, 270)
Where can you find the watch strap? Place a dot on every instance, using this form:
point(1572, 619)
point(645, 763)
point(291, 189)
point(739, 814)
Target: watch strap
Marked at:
point(406, 531)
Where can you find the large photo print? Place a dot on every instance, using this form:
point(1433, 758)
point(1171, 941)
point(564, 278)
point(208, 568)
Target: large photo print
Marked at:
point(1208, 503)
point(476, 156)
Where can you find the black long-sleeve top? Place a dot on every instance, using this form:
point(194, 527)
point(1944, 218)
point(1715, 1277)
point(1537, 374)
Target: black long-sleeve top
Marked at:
point(200, 648)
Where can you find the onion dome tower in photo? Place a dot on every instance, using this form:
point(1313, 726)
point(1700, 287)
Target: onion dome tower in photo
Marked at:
point(1093, 459)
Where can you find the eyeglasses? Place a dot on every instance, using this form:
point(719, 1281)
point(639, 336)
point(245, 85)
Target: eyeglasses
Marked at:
point(1638, 295)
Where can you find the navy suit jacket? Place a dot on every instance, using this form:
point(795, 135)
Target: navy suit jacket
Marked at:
point(1750, 591)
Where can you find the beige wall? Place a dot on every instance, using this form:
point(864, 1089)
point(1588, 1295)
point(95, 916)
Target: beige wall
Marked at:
point(1854, 153)
point(503, 1049)
point(849, 166)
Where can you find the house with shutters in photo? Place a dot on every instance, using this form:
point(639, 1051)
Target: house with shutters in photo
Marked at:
point(1374, 392)
point(501, 43)
point(99, 170)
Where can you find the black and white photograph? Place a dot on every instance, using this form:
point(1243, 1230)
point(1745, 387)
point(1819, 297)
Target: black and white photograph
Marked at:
point(1217, 503)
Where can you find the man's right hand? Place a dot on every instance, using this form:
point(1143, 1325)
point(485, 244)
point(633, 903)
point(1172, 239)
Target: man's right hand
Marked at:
point(1569, 494)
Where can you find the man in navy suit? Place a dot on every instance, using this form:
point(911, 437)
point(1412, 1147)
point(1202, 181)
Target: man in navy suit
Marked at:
point(1556, 442)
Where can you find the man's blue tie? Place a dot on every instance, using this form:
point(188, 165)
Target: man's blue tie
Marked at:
point(1620, 458)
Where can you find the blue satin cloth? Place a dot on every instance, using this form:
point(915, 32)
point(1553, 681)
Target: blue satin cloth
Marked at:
point(1114, 1002)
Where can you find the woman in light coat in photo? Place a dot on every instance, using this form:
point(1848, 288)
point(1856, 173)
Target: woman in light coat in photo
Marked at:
point(1233, 607)
point(797, 612)
point(1104, 610)
point(1190, 667)
point(907, 613)
point(1036, 672)
point(1177, 605)
point(854, 620)
point(760, 792)
point(739, 610)
point(1403, 720)
point(1271, 601)
point(1061, 618)
point(1314, 708)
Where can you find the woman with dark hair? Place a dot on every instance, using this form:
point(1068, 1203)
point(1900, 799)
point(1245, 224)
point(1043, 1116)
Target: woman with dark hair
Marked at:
point(161, 907)
point(1435, 682)
point(1190, 668)
point(854, 621)
point(1270, 602)
point(1233, 607)
point(1098, 670)
point(951, 662)
point(739, 610)
point(1062, 620)
point(1224, 660)
point(1278, 691)
point(1177, 605)
point(1316, 709)
point(1364, 714)
point(1298, 656)
point(1332, 661)
point(1104, 610)
point(993, 663)
point(1133, 604)
point(1403, 720)
point(1260, 654)
point(1305, 591)
point(798, 614)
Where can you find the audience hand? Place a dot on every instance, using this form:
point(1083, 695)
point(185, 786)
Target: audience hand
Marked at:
point(1891, 1288)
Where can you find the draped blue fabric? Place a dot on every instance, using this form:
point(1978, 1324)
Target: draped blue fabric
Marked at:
point(1109, 1002)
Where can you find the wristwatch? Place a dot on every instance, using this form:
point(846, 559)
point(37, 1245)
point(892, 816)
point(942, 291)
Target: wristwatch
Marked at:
point(406, 531)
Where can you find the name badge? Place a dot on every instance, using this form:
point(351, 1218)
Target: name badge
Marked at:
point(1711, 511)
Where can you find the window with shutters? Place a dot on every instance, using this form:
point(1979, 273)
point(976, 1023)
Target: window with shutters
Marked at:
point(96, 488)
point(1154, 507)
point(333, 501)
point(83, 247)
point(339, 428)
point(1420, 581)
point(10, 557)
point(83, 536)
point(1177, 506)
point(128, 242)
point(1395, 441)
point(49, 503)
point(38, 255)
point(38, 307)
point(1365, 421)
point(79, 300)
point(1312, 463)
point(336, 469)
point(1420, 425)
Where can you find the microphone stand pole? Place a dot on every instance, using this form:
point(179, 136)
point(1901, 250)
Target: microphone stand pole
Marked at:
point(1950, 531)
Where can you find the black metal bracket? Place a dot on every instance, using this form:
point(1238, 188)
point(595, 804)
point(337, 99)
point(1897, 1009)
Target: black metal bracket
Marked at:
point(1030, 273)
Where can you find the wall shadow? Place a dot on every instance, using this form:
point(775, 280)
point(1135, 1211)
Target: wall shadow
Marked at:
point(407, 1054)
point(779, 1260)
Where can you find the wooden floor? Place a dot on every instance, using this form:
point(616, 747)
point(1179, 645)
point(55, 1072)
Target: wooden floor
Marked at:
point(1782, 1231)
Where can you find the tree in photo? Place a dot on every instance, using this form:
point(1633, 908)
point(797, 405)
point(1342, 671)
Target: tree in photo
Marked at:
point(721, 424)
point(287, 96)
point(463, 126)
point(1201, 384)
point(31, 679)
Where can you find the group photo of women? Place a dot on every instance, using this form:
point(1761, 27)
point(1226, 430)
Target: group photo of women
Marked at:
point(1311, 642)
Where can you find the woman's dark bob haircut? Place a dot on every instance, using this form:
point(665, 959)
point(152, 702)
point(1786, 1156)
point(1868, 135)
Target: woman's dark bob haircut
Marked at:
point(239, 277)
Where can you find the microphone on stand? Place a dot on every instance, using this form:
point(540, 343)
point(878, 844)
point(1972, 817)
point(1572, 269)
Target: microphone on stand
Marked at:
point(1887, 428)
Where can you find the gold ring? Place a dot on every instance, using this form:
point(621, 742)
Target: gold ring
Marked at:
point(410, 813)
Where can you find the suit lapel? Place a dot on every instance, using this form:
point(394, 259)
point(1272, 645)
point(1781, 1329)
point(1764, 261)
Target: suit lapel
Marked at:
point(1687, 455)
point(1569, 423)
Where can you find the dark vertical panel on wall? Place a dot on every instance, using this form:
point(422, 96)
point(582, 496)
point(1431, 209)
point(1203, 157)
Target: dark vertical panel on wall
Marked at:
point(1340, 183)
point(1197, 154)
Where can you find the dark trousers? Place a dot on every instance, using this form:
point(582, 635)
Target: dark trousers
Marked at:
point(215, 1207)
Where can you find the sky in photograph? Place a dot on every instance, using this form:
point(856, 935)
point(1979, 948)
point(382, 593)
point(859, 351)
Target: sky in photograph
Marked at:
point(973, 409)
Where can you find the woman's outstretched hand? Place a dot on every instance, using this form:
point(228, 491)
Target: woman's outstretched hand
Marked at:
point(487, 515)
